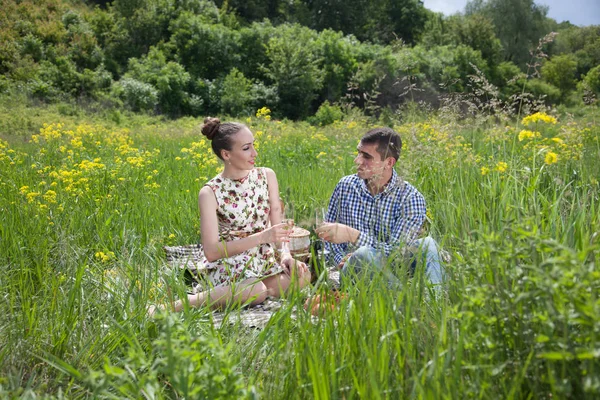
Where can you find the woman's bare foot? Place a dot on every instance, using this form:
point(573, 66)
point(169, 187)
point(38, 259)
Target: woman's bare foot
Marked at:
point(152, 309)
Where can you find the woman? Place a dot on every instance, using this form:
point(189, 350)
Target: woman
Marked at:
point(240, 218)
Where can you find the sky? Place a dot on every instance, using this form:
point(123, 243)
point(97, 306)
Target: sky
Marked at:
point(578, 12)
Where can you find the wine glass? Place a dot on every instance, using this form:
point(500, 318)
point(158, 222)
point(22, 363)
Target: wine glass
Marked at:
point(289, 222)
point(320, 216)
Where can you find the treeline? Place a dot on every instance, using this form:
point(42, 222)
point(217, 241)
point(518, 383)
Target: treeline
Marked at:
point(199, 57)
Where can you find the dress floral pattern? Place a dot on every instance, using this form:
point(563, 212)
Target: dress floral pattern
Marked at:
point(242, 209)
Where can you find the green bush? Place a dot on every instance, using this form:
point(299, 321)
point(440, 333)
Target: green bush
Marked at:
point(327, 114)
point(505, 72)
point(4, 84)
point(61, 74)
point(264, 96)
point(541, 89)
point(592, 80)
point(42, 90)
point(169, 78)
point(449, 67)
point(560, 71)
point(32, 46)
point(137, 95)
point(236, 95)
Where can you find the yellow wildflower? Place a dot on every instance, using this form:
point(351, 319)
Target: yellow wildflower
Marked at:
point(525, 134)
point(31, 196)
point(104, 257)
point(531, 119)
point(551, 158)
point(50, 196)
point(264, 113)
point(484, 171)
point(501, 166)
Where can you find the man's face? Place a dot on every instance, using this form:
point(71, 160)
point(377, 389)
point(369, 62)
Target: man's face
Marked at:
point(368, 162)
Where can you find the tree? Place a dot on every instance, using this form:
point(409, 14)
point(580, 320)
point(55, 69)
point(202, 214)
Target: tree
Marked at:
point(236, 94)
point(475, 31)
point(294, 69)
point(592, 80)
point(255, 10)
point(519, 24)
point(207, 50)
point(560, 72)
point(379, 21)
point(583, 42)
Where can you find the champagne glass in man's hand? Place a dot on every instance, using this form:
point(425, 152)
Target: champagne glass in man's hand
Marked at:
point(320, 214)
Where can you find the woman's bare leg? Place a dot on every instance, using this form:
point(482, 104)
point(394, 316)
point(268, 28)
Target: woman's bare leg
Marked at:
point(278, 284)
point(254, 291)
point(251, 291)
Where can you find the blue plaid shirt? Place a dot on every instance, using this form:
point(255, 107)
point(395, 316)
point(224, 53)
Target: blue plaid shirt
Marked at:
point(385, 221)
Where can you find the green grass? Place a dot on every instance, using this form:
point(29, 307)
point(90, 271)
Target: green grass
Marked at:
point(519, 317)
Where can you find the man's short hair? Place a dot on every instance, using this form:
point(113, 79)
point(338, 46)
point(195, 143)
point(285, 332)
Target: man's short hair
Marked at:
point(388, 142)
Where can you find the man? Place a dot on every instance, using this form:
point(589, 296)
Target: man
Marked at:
point(374, 215)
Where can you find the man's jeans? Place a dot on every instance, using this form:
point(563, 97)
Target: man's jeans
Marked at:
point(367, 263)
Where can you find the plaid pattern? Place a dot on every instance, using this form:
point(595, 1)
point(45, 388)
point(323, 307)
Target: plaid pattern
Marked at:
point(184, 257)
point(385, 220)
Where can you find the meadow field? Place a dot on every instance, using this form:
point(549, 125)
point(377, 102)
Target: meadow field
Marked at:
point(87, 203)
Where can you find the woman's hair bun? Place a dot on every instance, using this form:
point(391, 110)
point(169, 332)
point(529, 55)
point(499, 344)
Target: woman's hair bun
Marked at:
point(211, 127)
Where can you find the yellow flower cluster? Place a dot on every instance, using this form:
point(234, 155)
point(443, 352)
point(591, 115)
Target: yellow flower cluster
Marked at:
point(538, 117)
point(49, 133)
point(4, 151)
point(201, 153)
point(264, 113)
point(104, 257)
point(551, 158)
point(526, 134)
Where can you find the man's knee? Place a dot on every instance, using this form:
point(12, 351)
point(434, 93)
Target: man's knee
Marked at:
point(363, 260)
point(427, 245)
point(428, 252)
point(363, 256)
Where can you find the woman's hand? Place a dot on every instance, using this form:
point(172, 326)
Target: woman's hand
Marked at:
point(276, 234)
point(292, 265)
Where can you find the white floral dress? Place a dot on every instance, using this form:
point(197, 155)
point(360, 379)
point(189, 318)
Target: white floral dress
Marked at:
point(242, 209)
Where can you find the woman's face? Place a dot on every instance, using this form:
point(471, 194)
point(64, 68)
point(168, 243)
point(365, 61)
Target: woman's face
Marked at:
point(242, 154)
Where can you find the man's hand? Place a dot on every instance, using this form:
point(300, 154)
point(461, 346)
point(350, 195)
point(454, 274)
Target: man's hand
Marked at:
point(343, 261)
point(337, 233)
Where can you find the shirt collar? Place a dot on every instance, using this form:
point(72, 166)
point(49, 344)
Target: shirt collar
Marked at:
point(395, 181)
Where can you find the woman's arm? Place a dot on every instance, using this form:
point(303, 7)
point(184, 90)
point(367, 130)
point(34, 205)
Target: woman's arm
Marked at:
point(209, 228)
point(276, 213)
